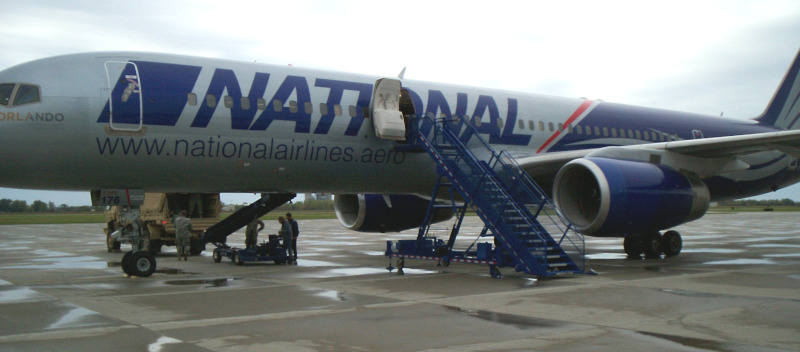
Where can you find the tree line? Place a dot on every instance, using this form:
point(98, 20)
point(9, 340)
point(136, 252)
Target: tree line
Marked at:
point(785, 202)
point(38, 206)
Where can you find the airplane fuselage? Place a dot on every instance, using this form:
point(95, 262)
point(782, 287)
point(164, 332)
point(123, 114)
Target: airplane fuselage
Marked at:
point(179, 124)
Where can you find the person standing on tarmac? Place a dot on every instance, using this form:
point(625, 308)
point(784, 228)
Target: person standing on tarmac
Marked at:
point(251, 233)
point(286, 233)
point(295, 233)
point(183, 235)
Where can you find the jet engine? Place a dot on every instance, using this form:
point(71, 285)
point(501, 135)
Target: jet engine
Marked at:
point(611, 197)
point(379, 213)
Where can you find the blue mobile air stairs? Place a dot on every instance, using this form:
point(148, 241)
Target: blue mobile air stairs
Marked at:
point(516, 212)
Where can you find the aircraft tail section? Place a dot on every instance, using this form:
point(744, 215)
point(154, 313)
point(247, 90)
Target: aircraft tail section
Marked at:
point(784, 109)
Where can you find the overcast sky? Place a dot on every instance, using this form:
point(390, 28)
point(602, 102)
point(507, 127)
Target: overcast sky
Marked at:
point(706, 57)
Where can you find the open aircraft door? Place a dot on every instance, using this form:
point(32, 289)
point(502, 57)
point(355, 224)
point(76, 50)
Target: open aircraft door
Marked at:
point(125, 96)
point(385, 110)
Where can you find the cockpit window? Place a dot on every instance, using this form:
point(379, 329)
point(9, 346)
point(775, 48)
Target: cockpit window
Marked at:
point(27, 94)
point(5, 93)
point(22, 94)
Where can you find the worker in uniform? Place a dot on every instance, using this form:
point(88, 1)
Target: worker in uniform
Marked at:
point(251, 233)
point(286, 234)
point(295, 233)
point(195, 203)
point(183, 235)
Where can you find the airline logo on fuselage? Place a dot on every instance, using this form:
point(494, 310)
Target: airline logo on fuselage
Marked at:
point(166, 88)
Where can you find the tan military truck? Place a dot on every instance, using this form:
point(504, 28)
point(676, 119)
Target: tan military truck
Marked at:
point(157, 213)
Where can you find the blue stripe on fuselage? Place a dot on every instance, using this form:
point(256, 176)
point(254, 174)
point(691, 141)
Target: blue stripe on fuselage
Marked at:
point(627, 117)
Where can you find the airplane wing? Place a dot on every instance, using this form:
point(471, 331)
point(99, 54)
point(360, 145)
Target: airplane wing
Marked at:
point(705, 157)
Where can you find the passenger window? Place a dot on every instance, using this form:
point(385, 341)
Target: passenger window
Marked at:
point(211, 101)
point(245, 103)
point(541, 125)
point(613, 132)
point(262, 104)
point(570, 129)
point(560, 127)
point(477, 121)
point(27, 94)
point(352, 110)
point(521, 124)
point(596, 131)
point(5, 93)
point(588, 130)
point(228, 101)
point(277, 105)
point(293, 106)
point(500, 123)
point(365, 111)
point(308, 107)
point(579, 129)
point(605, 131)
point(630, 133)
point(337, 110)
point(531, 126)
point(192, 99)
point(551, 126)
point(638, 134)
point(323, 108)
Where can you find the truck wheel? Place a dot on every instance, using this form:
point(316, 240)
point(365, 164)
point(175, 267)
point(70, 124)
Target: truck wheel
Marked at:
point(217, 257)
point(126, 265)
point(196, 247)
point(143, 264)
point(237, 259)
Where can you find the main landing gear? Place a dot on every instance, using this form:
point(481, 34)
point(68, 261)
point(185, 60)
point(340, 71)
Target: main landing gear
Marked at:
point(652, 244)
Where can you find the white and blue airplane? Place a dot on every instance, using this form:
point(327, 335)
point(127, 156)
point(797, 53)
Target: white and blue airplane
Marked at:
point(169, 123)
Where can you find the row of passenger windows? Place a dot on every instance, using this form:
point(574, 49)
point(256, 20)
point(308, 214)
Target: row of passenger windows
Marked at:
point(308, 108)
point(15, 94)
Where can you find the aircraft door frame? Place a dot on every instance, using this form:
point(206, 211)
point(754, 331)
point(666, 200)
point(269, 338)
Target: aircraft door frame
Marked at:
point(132, 87)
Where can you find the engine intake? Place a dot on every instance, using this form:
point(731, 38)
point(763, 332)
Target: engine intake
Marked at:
point(371, 213)
point(611, 197)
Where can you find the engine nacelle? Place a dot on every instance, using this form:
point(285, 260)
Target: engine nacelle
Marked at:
point(611, 197)
point(371, 213)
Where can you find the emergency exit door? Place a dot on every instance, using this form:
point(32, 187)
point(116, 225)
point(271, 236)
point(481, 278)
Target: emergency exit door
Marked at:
point(125, 96)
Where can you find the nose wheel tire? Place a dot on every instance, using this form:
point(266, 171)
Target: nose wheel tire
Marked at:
point(672, 243)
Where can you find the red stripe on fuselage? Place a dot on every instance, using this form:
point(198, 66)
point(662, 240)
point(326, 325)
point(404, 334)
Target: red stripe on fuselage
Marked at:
point(585, 105)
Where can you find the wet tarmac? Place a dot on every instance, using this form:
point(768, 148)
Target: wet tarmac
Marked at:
point(736, 287)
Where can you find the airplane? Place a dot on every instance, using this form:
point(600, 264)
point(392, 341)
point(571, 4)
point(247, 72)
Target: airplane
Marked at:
point(173, 123)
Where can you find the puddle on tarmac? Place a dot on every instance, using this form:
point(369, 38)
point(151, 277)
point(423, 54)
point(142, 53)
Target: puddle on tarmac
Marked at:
point(20, 295)
point(517, 321)
point(339, 272)
point(337, 296)
point(78, 317)
point(742, 262)
point(706, 345)
point(774, 245)
point(4, 283)
point(787, 255)
point(208, 282)
point(170, 271)
point(712, 250)
point(606, 256)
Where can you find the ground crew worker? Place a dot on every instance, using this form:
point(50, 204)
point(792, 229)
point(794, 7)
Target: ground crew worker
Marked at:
point(251, 233)
point(183, 235)
point(295, 233)
point(286, 234)
point(195, 202)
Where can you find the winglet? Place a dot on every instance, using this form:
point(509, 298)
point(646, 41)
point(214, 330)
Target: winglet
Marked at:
point(402, 73)
point(783, 110)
